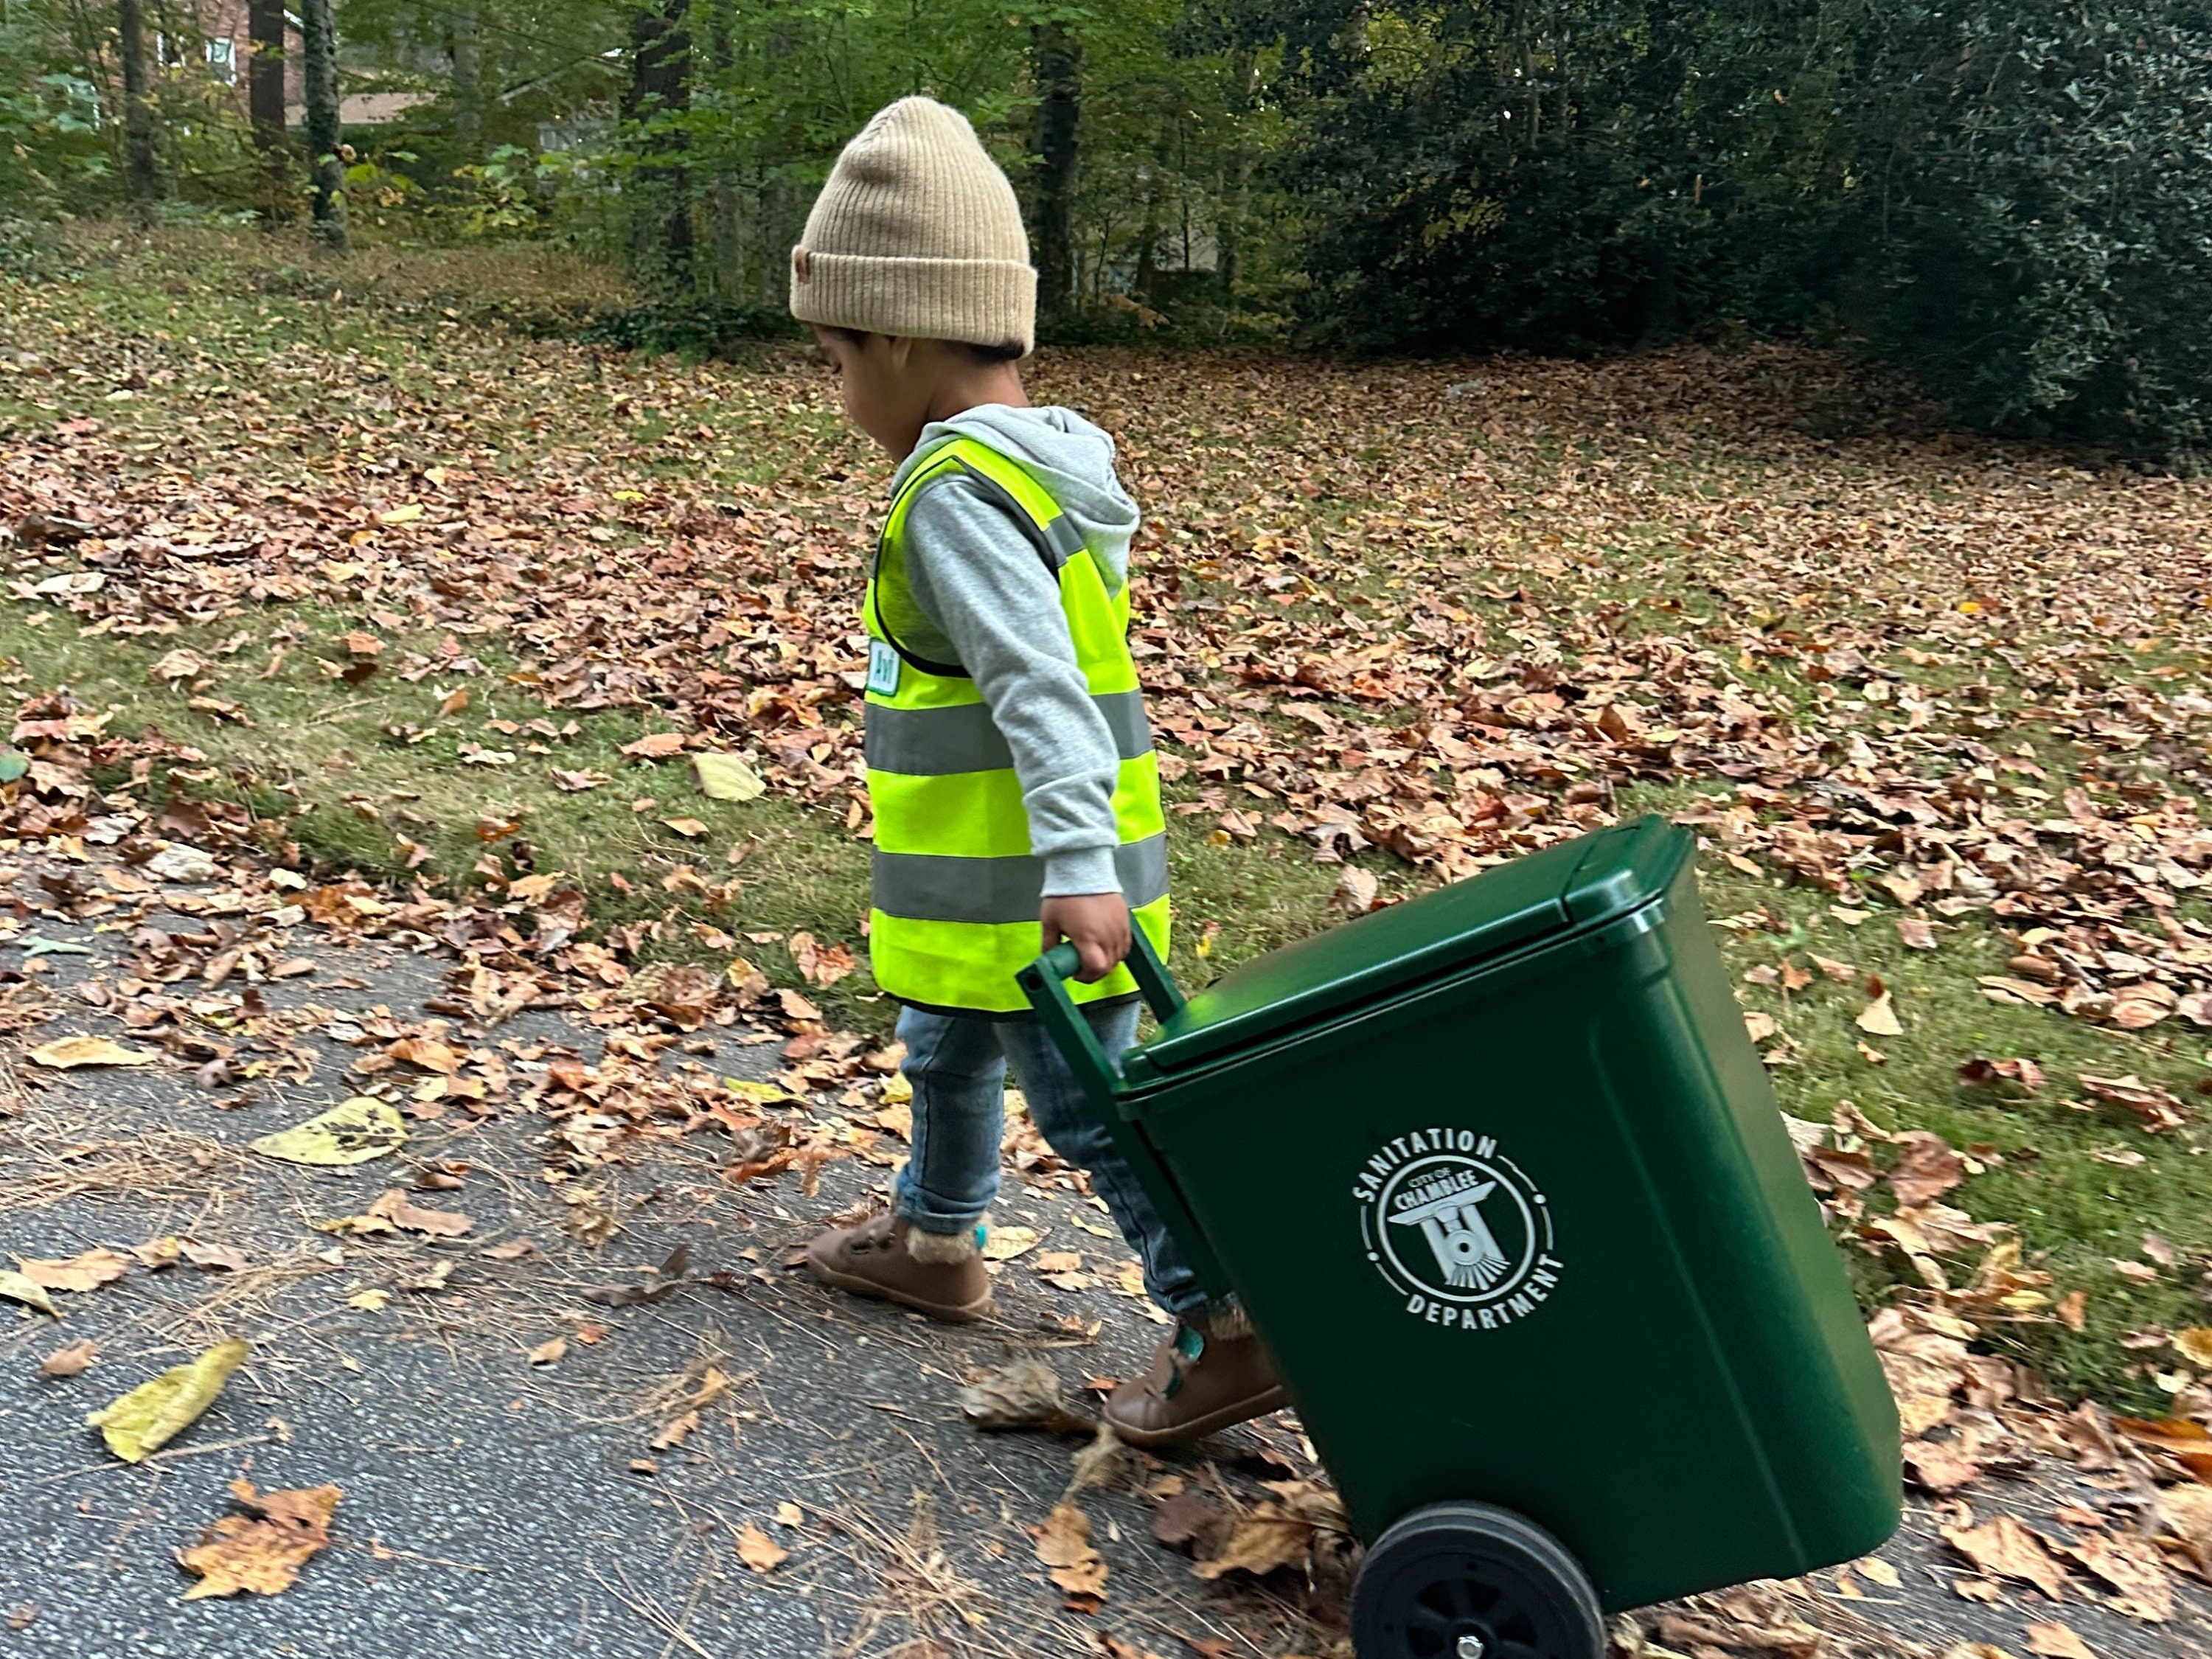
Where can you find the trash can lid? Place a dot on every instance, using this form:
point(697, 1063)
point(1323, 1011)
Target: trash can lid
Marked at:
point(1572, 885)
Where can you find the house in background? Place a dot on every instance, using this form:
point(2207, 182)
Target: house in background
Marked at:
point(225, 44)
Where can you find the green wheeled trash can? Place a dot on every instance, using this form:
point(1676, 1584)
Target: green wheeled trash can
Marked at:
point(1501, 1181)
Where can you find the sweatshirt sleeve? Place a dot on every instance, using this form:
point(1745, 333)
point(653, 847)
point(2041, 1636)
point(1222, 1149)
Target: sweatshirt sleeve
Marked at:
point(983, 582)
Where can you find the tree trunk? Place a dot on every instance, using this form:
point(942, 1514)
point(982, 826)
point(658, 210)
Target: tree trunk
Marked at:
point(141, 177)
point(468, 83)
point(660, 86)
point(1148, 241)
point(265, 98)
point(725, 215)
point(319, 31)
point(1056, 72)
point(1236, 187)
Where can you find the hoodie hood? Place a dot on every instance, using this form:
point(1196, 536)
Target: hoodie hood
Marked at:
point(1066, 454)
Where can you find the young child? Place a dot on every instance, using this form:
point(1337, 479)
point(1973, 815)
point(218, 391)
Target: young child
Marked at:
point(1011, 767)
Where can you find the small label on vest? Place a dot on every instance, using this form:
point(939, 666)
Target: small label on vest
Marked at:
point(883, 668)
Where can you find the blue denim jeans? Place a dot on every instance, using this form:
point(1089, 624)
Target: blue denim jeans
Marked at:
point(957, 1066)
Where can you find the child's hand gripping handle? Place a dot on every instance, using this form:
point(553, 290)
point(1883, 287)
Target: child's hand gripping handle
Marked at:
point(1044, 982)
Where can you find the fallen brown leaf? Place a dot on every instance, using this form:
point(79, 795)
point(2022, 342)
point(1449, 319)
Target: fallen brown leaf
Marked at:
point(1063, 1545)
point(2157, 1109)
point(395, 1207)
point(2131, 1565)
point(2005, 1548)
point(67, 1053)
point(2014, 1077)
point(214, 1256)
point(1926, 1168)
point(1941, 1469)
point(758, 1551)
point(1023, 1395)
point(2058, 1641)
point(71, 1359)
point(1878, 1018)
point(262, 1551)
point(1259, 1544)
point(87, 1272)
point(2186, 1512)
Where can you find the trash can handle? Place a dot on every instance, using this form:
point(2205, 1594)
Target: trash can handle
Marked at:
point(1151, 975)
point(1044, 982)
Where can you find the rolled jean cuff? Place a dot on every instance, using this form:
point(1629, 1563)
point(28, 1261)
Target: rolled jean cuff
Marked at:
point(930, 1214)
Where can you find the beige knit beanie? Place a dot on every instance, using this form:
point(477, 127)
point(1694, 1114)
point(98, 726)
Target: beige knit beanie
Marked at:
point(917, 233)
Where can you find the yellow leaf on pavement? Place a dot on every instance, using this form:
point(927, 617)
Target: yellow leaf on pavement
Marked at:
point(66, 1053)
point(352, 1131)
point(263, 1550)
point(16, 1288)
point(759, 1093)
point(758, 1551)
point(724, 777)
point(154, 1413)
point(1004, 1243)
point(376, 1299)
point(788, 1514)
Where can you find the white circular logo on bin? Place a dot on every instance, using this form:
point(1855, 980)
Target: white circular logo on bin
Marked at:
point(1458, 1229)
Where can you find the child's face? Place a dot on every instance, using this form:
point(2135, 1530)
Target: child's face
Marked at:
point(886, 392)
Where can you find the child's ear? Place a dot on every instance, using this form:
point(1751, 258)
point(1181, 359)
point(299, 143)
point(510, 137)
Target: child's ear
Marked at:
point(900, 349)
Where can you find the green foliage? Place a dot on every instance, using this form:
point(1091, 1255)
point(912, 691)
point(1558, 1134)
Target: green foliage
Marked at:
point(2048, 243)
point(2009, 198)
point(695, 328)
point(52, 156)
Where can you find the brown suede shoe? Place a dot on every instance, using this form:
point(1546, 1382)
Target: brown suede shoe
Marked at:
point(1198, 1382)
point(940, 1275)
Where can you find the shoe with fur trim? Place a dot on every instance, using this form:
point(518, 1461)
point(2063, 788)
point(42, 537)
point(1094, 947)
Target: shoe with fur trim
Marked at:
point(940, 1275)
point(1202, 1379)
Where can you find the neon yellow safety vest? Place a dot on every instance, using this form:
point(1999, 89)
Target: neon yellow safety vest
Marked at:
point(956, 888)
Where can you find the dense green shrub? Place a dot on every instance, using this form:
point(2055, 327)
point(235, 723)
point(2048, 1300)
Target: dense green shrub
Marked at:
point(2015, 200)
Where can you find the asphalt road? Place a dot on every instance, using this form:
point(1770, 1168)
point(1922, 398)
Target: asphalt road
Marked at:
point(495, 1507)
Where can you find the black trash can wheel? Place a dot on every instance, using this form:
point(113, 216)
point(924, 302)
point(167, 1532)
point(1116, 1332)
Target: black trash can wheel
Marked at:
point(1471, 1581)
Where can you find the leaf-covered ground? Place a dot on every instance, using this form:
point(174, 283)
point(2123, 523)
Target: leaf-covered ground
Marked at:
point(446, 607)
point(535, 1359)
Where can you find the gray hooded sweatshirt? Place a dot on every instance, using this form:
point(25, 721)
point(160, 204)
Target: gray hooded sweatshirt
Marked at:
point(997, 609)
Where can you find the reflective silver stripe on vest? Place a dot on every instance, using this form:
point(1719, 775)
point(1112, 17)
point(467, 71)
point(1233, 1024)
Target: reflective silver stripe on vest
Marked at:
point(929, 743)
point(930, 887)
point(1066, 540)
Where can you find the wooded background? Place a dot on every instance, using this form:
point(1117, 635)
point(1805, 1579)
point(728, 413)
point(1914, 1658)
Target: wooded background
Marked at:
point(2013, 200)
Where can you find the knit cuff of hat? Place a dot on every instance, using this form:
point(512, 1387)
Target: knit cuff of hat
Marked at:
point(983, 301)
